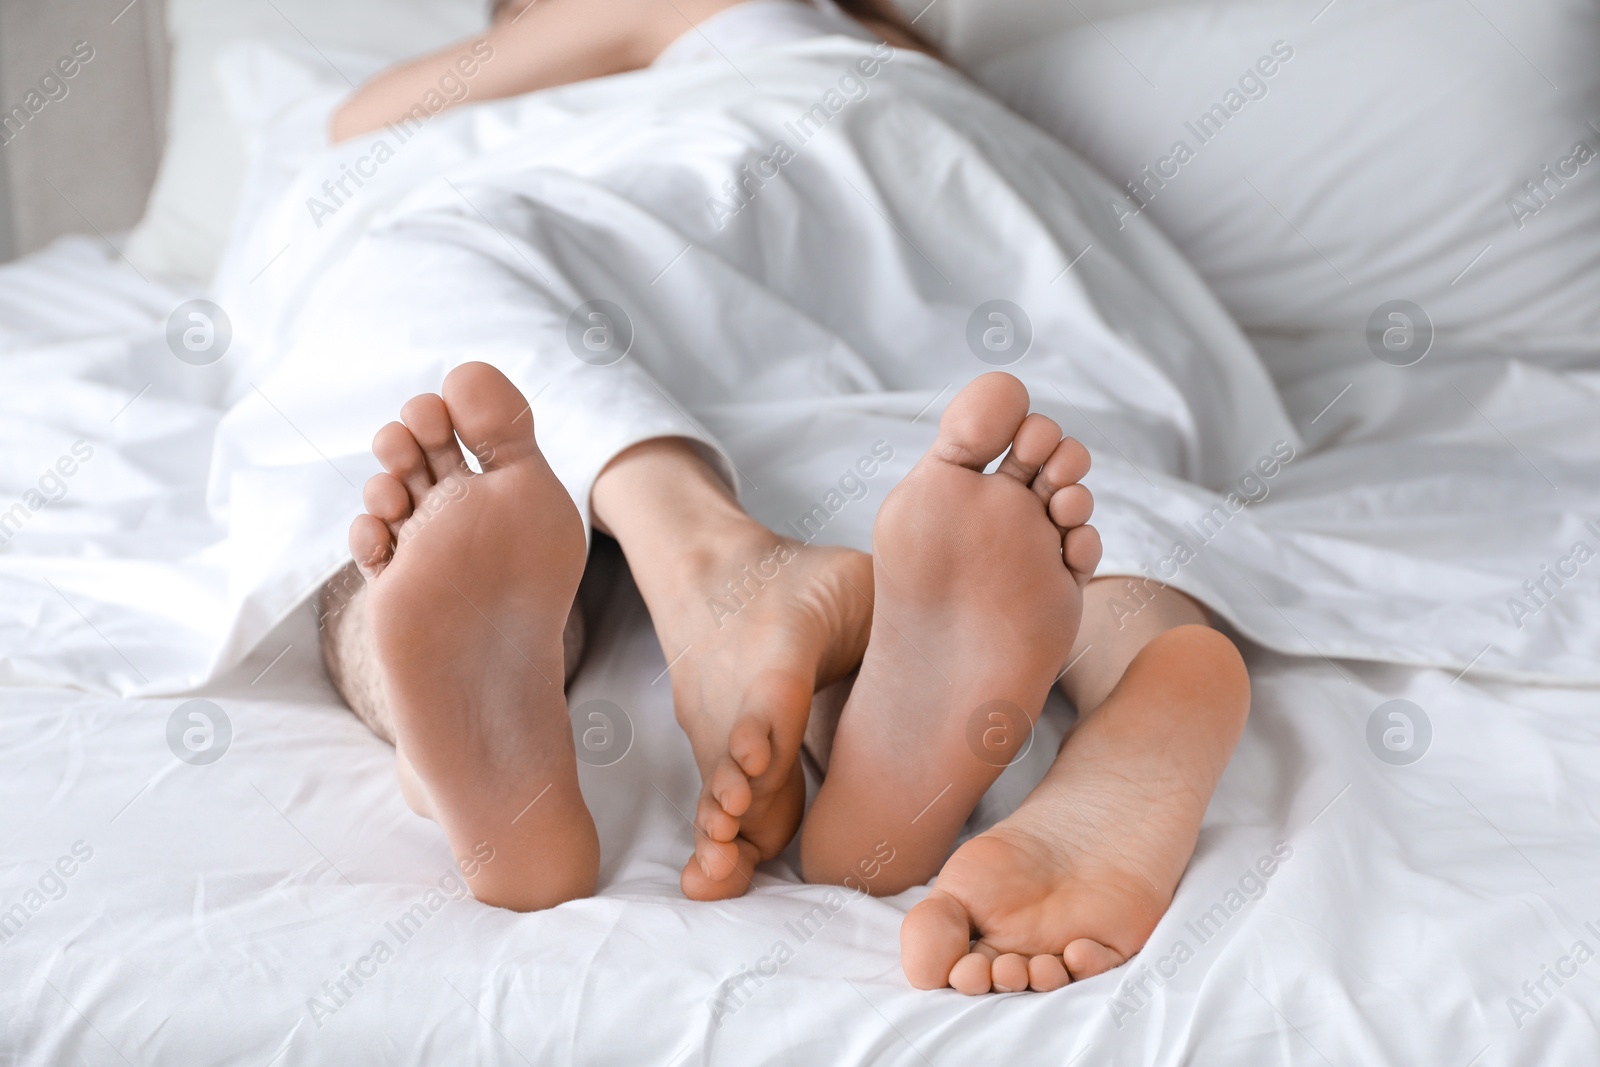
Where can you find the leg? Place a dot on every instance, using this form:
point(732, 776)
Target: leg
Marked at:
point(751, 624)
point(470, 583)
point(978, 585)
point(1074, 881)
point(345, 631)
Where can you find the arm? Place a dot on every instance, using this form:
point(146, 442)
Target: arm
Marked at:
point(530, 46)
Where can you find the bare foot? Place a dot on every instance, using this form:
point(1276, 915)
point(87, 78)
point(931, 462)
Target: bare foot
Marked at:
point(978, 583)
point(472, 577)
point(1073, 882)
point(795, 619)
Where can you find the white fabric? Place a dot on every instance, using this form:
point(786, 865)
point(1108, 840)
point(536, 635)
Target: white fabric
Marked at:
point(1414, 902)
point(192, 207)
point(759, 24)
point(976, 31)
point(828, 314)
point(1382, 150)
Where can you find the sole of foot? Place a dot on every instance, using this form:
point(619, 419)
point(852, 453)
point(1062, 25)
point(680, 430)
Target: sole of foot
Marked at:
point(1074, 881)
point(978, 591)
point(471, 580)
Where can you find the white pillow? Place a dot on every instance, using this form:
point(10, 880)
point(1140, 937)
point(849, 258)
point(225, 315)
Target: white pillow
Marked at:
point(191, 209)
point(975, 31)
point(1367, 152)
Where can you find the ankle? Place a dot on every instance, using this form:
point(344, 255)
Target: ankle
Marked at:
point(703, 564)
point(677, 521)
point(660, 486)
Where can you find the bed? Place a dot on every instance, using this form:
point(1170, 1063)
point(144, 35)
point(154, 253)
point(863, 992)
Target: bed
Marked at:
point(206, 859)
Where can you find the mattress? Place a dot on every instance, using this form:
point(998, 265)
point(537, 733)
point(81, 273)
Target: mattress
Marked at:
point(1375, 882)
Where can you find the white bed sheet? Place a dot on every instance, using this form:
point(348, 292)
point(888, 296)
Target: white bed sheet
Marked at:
point(218, 900)
point(1415, 903)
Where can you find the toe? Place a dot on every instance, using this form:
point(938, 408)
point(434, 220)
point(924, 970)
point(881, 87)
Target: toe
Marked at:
point(1036, 439)
point(490, 414)
point(1085, 959)
point(1009, 973)
point(982, 420)
point(697, 885)
point(1081, 549)
point(729, 787)
point(971, 975)
point(934, 937)
point(386, 498)
point(401, 456)
point(1066, 466)
point(715, 822)
point(1046, 973)
point(429, 422)
point(750, 744)
point(715, 859)
point(1071, 506)
point(370, 545)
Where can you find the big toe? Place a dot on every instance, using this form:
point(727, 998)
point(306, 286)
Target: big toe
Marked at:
point(934, 936)
point(982, 420)
point(491, 415)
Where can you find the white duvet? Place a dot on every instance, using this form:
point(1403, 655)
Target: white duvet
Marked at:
point(1421, 517)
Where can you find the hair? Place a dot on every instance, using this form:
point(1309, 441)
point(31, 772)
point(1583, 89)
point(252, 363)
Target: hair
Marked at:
point(885, 12)
point(499, 8)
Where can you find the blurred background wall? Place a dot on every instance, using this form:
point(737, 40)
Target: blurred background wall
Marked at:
point(84, 162)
